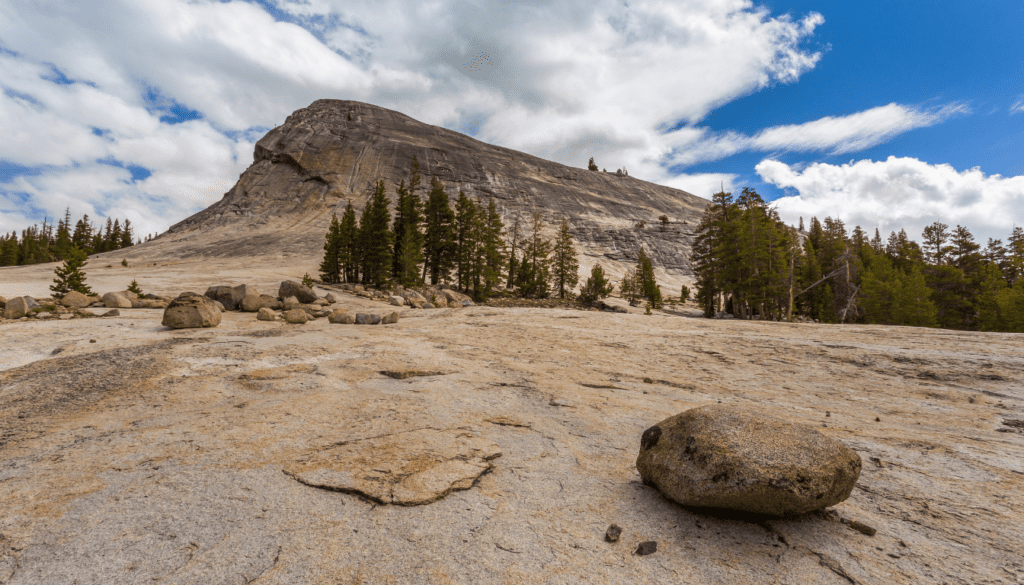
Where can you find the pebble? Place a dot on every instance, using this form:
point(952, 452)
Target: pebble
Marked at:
point(645, 548)
point(612, 534)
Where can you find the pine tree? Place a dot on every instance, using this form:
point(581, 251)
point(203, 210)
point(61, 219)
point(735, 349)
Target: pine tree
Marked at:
point(330, 267)
point(592, 165)
point(377, 240)
point(646, 283)
point(63, 243)
point(115, 236)
point(596, 287)
point(465, 241)
point(628, 287)
point(127, 235)
point(534, 274)
point(135, 288)
point(493, 250)
point(69, 276)
point(515, 236)
point(565, 266)
point(82, 236)
point(348, 245)
point(439, 240)
point(935, 237)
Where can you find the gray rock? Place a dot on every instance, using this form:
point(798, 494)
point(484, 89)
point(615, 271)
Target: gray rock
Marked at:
point(291, 303)
point(265, 314)
point(358, 288)
point(43, 315)
point(367, 319)
point(409, 295)
point(613, 533)
point(645, 548)
point(396, 300)
point(330, 298)
point(427, 305)
point(341, 316)
point(296, 316)
point(116, 300)
point(391, 317)
point(467, 303)
point(18, 307)
point(191, 310)
point(112, 313)
point(228, 296)
point(321, 302)
point(724, 456)
point(75, 300)
point(290, 288)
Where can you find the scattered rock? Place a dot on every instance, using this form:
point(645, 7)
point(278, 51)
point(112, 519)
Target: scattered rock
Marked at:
point(296, 316)
point(861, 527)
point(112, 313)
point(291, 303)
point(341, 316)
point(613, 533)
point(408, 469)
point(290, 288)
point(75, 300)
point(722, 315)
point(191, 310)
point(367, 319)
point(646, 548)
point(330, 298)
point(358, 288)
point(403, 374)
point(321, 302)
point(265, 314)
point(228, 296)
point(391, 317)
point(411, 295)
point(116, 300)
point(153, 304)
point(427, 305)
point(723, 456)
point(18, 307)
point(396, 300)
point(467, 303)
point(252, 303)
point(43, 315)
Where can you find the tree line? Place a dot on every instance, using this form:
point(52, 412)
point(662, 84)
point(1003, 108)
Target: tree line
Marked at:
point(467, 246)
point(50, 243)
point(749, 263)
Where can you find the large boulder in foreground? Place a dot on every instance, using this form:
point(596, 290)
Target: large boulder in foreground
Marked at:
point(724, 456)
point(191, 310)
point(290, 288)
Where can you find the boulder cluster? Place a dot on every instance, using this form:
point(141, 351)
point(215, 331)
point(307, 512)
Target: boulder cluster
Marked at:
point(73, 305)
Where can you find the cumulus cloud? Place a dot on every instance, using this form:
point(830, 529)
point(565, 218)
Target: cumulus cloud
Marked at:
point(900, 193)
point(100, 81)
point(832, 134)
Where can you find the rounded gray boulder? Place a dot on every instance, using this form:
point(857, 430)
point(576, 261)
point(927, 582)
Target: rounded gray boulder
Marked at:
point(724, 456)
point(191, 310)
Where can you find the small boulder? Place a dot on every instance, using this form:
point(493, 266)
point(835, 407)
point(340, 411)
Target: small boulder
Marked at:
point(427, 305)
point(416, 304)
point(116, 300)
point(296, 316)
point(191, 310)
point(16, 308)
point(265, 314)
point(43, 315)
point(724, 456)
point(291, 303)
point(467, 303)
point(396, 300)
point(75, 300)
point(228, 296)
point(330, 298)
point(154, 304)
point(321, 302)
point(411, 294)
point(341, 316)
point(251, 303)
point(290, 288)
point(358, 288)
point(112, 313)
point(367, 319)
point(392, 317)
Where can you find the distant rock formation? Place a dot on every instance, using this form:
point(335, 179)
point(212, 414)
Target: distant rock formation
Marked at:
point(334, 151)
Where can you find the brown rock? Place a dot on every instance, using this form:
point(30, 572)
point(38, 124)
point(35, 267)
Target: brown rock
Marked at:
point(290, 288)
point(341, 316)
point(191, 310)
point(391, 317)
point(18, 307)
point(228, 296)
point(265, 314)
point(116, 300)
point(75, 300)
point(724, 456)
point(296, 316)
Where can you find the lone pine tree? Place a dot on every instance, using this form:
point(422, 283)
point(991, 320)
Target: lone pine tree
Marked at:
point(565, 267)
point(69, 276)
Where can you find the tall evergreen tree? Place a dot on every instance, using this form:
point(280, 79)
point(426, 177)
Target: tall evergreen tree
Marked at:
point(330, 267)
point(63, 244)
point(493, 243)
point(515, 236)
point(646, 283)
point(377, 239)
point(565, 267)
point(596, 287)
point(466, 243)
point(127, 236)
point(439, 239)
point(349, 250)
point(534, 272)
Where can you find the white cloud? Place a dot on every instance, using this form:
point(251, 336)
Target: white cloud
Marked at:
point(900, 193)
point(832, 134)
point(1017, 107)
point(565, 80)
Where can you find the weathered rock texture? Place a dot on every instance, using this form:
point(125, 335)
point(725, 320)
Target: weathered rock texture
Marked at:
point(75, 300)
point(409, 469)
point(289, 289)
point(229, 296)
point(725, 456)
point(306, 169)
point(116, 300)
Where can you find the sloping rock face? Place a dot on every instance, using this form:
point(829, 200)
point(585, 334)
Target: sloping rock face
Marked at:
point(333, 151)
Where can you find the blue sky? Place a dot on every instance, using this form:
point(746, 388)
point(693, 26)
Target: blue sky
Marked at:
point(884, 114)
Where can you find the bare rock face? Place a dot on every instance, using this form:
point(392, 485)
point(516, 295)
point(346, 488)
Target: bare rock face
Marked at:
point(75, 300)
point(407, 469)
point(333, 151)
point(290, 288)
point(191, 310)
point(228, 296)
point(723, 456)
